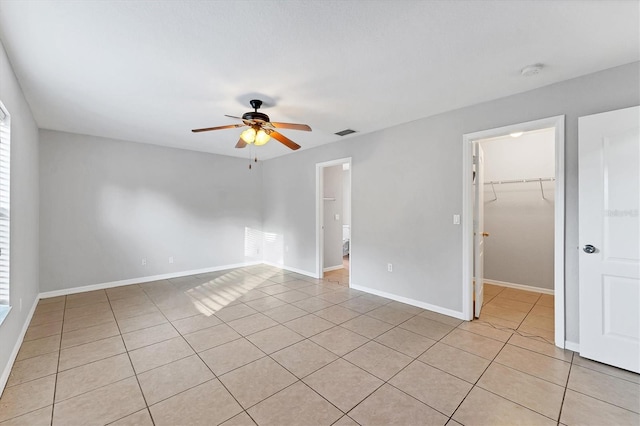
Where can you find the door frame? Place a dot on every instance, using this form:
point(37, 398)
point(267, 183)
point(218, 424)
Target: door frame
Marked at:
point(558, 123)
point(320, 213)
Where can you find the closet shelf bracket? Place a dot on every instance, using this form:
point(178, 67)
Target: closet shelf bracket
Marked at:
point(495, 196)
point(542, 189)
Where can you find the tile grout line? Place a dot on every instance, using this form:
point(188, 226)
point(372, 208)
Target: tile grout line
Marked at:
point(333, 325)
point(602, 372)
point(298, 380)
point(132, 367)
point(55, 386)
point(564, 394)
point(474, 385)
point(304, 338)
point(215, 377)
point(387, 382)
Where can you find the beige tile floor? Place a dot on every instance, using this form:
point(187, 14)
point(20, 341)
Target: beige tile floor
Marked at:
point(526, 313)
point(259, 345)
point(339, 276)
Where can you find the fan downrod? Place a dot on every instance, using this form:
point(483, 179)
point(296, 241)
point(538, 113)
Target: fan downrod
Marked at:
point(255, 104)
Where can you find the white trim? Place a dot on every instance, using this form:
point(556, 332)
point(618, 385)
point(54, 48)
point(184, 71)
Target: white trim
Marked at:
point(572, 346)
point(468, 140)
point(16, 348)
point(332, 268)
point(520, 286)
point(409, 301)
point(139, 280)
point(288, 268)
point(320, 213)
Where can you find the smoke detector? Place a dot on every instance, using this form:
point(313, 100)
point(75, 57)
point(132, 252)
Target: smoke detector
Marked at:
point(530, 70)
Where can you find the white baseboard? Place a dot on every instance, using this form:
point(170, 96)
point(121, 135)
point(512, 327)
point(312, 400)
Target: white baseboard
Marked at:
point(139, 280)
point(572, 346)
point(288, 268)
point(332, 268)
point(520, 286)
point(16, 348)
point(411, 302)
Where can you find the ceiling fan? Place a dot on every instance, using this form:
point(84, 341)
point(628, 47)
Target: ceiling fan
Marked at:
point(261, 129)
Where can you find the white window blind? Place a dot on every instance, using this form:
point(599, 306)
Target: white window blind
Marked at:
point(5, 175)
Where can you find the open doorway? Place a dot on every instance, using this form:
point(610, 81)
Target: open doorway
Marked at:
point(518, 180)
point(513, 228)
point(333, 220)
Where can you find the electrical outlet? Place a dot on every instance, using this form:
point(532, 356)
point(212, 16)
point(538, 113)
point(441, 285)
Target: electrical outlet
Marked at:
point(456, 219)
point(336, 216)
point(170, 259)
point(389, 267)
point(144, 261)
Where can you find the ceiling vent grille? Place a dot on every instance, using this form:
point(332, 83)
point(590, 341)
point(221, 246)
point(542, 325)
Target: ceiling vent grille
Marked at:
point(345, 132)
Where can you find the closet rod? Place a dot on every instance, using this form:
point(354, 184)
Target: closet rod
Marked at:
point(498, 182)
point(539, 180)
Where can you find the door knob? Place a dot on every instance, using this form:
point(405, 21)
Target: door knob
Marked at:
point(485, 234)
point(589, 249)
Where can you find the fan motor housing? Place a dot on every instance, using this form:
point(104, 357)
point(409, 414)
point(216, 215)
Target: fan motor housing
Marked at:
point(255, 115)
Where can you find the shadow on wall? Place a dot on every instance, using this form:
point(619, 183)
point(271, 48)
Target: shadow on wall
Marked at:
point(150, 225)
point(113, 210)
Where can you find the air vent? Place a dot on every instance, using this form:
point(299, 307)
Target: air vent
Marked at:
point(345, 132)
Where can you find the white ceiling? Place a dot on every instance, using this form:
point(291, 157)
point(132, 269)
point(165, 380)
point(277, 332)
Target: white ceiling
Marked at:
point(149, 71)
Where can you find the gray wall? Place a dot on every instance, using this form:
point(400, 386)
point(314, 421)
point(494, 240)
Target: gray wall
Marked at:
point(333, 189)
point(520, 222)
point(520, 248)
point(406, 189)
point(106, 204)
point(24, 210)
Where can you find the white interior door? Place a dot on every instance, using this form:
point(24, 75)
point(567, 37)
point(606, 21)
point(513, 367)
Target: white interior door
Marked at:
point(609, 231)
point(478, 229)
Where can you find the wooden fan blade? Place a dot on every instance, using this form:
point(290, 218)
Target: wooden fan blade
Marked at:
point(291, 126)
point(246, 122)
point(241, 143)
point(230, 126)
point(284, 140)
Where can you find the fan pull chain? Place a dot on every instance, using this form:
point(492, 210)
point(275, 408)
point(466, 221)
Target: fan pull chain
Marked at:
point(254, 155)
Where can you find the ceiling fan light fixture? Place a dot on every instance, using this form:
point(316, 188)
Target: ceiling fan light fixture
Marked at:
point(249, 135)
point(261, 137)
point(260, 128)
